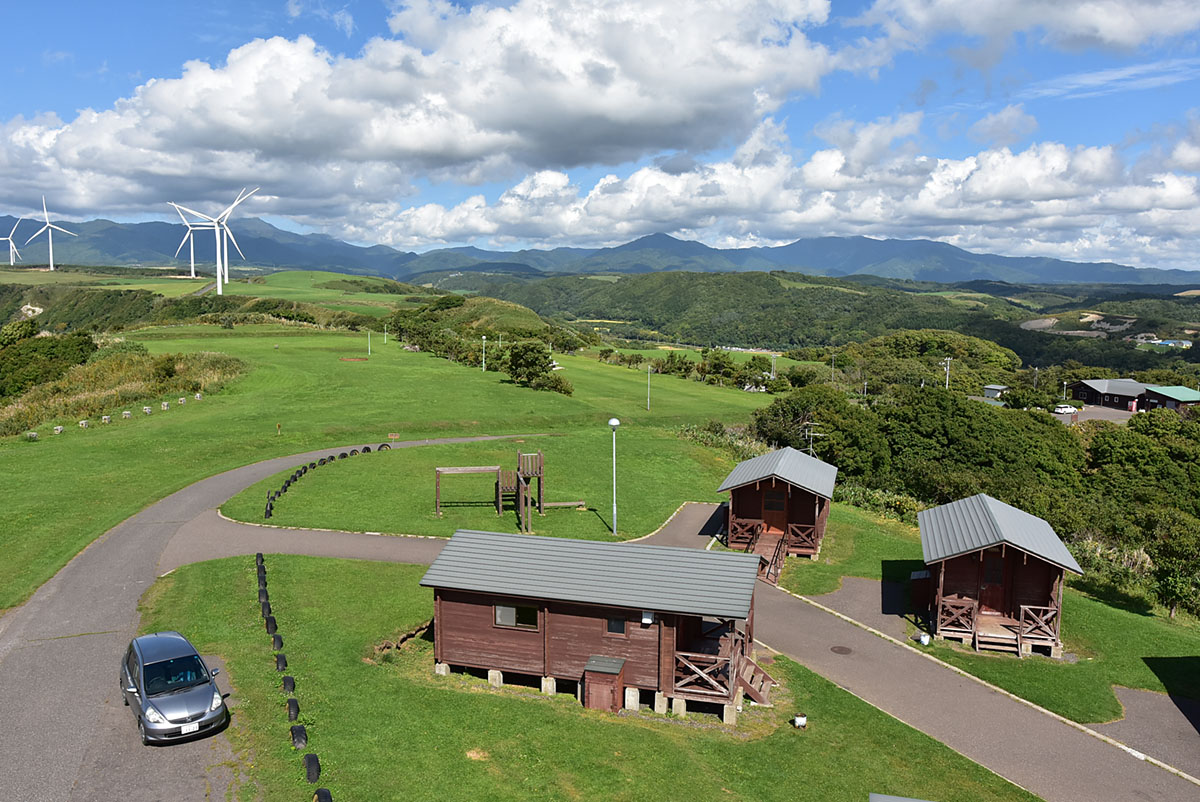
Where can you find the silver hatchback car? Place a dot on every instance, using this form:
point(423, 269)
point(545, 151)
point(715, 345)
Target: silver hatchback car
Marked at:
point(172, 692)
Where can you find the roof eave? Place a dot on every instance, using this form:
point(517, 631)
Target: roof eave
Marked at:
point(1041, 557)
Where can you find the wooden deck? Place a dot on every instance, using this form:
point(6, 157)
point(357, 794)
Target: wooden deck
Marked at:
point(773, 545)
point(960, 619)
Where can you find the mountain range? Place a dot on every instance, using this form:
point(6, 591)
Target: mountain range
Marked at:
point(103, 242)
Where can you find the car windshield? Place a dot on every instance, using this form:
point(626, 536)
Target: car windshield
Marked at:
point(174, 675)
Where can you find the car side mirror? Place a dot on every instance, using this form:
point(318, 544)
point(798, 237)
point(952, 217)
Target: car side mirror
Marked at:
point(131, 689)
point(214, 672)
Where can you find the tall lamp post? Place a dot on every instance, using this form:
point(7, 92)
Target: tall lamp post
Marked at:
point(484, 366)
point(614, 423)
point(647, 388)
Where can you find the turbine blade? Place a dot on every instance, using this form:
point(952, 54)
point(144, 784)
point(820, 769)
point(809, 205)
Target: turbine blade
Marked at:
point(39, 231)
point(14, 231)
point(63, 230)
point(229, 234)
point(182, 241)
point(193, 211)
point(14, 249)
point(45, 213)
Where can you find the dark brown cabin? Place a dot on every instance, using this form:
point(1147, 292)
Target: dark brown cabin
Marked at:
point(997, 575)
point(778, 506)
point(679, 622)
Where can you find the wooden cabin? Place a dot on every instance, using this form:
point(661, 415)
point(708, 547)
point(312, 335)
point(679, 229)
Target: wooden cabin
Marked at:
point(778, 505)
point(619, 622)
point(1113, 393)
point(997, 574)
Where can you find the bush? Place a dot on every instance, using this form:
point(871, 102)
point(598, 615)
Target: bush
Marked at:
point(553, 382)
point(118, 347)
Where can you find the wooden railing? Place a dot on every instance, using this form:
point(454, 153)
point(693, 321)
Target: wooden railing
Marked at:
point(770, 568)
point(958, 615)
point(743, 531)
point(710, 676)
point(1039, 623)
point(803, 536)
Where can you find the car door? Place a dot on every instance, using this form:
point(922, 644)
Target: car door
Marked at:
point(129, 677)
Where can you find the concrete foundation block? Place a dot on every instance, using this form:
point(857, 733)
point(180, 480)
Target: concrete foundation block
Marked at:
point(660, 703)
point(549, 686)
point(495, 678)
point(441, 669)
point(633, 698)
point(166, 405)
point(729, 715)
point(58, 430)
point(127, 414)
point(679, 707)
point(106, 419)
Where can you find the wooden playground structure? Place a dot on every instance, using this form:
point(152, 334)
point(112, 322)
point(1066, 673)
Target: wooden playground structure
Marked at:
point(515, 484)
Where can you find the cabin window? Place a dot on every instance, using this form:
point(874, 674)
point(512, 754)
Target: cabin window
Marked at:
point(516, 616)
point(616, 625)
point(774, 500)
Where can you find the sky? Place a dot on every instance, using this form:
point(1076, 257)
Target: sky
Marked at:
point(1068, 129)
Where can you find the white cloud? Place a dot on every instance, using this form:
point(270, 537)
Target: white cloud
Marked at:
point(1122, 24)
point(1048, 199)
point(1005, 127)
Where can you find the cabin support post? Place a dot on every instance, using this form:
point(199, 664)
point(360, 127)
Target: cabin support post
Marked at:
point(937, 604)
point(498, 497)
point(729, 715)
point(549, 686)
point(679, 707)
point(660, 703)
point(441, 669)
point(495, 678)
point(437, 492)
point(633, 698)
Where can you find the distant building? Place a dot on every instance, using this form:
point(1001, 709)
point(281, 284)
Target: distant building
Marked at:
point(1113, 393)
point(1174, 397)
point(994, 390)
point(1176, 343)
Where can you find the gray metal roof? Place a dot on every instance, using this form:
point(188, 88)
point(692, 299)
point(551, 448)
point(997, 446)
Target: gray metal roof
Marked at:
point(605, 665)
point(980, 522)
point(792, 466)
point(995, 386)
point(655, 578)
point(1127, 387)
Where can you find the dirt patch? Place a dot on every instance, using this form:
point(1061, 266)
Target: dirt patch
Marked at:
point(478, 754)
point(1186, 293)
point(1039, 324)
point(1090, 317)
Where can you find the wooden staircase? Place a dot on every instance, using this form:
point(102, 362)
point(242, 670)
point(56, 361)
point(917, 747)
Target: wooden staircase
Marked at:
point(755, 682)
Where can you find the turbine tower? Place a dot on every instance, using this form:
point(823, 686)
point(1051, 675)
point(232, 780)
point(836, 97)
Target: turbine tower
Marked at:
point(13, 253)
point(49, 228)
point(223, 222)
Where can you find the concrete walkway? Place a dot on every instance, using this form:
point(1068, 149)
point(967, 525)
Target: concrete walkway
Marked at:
point(64, 733)
point(1036, 751)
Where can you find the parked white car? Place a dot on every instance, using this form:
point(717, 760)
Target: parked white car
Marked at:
point(1064, 409)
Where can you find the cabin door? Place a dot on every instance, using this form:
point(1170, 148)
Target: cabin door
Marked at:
point(991, 583)
point(775, 509)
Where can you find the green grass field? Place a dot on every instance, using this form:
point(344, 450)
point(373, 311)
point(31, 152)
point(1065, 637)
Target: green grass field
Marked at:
point(393, 491)
point(64, 491)
point(151, 280)
point(781, 362)
point(389, 729)
point(306, 286)
point(1113, 646)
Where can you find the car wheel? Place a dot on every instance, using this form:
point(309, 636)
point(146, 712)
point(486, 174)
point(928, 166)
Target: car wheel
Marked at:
point(142, 732)
point(125, 699)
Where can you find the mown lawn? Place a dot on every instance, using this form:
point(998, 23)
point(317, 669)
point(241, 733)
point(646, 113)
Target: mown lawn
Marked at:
point(389, 730)
point(393, 491)
point(63, 491)
point(1113, 646)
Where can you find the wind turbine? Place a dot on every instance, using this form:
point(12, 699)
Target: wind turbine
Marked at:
point(49, 228)
point(223, 222)
point(189, 237)
point(218, 225)
point(12, 248)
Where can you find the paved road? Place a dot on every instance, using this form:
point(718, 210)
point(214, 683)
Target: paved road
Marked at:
point(1052, 759)
point(64, 734)
point(65, 641)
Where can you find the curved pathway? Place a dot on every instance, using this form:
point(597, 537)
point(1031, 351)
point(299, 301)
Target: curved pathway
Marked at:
point(64, 733)
point(65, 736)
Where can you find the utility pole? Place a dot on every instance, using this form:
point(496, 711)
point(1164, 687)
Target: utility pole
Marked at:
point(385, 334)
point(647, 387)
point(1035, 377)
point(484, 367)
point(832, 368)
point(946, 364)
point(368, 342)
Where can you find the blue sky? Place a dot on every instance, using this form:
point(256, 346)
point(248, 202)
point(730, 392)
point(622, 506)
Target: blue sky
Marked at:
point(1069, 129)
